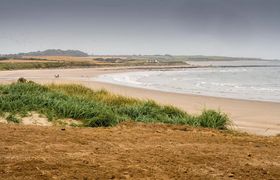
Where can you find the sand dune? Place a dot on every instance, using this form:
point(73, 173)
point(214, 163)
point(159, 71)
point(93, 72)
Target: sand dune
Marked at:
point(255, 117)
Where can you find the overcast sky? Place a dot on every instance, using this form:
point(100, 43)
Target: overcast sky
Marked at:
point(248, 28)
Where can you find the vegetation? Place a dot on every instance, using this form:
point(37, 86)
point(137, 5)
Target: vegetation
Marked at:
point(96, 108)
point(56, 52)
point(44, 65)
point(73, 59)
point(13, 118)
point(31, 58)
point(3, 58)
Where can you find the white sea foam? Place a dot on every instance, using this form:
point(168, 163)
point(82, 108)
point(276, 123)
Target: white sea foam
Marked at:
point(254, 83)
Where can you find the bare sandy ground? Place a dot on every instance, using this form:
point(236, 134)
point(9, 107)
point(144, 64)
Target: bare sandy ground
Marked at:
point(135, 151)
point(255, 117)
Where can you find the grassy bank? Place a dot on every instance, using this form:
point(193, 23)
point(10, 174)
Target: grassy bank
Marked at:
point(14, 63)
point(44, 65)
point(96, 108)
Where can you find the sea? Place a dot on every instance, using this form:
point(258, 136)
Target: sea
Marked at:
point(250, 80)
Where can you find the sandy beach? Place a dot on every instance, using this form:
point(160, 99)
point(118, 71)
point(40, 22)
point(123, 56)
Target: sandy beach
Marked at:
point(256, 117)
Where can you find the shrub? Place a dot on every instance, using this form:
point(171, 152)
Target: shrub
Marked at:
point(21, 80)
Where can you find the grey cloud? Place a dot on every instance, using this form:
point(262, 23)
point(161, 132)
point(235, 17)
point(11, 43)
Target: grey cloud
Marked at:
point(209, 27)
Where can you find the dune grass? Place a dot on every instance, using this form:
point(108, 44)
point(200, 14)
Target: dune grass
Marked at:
point(13, 118)
point(97, 108)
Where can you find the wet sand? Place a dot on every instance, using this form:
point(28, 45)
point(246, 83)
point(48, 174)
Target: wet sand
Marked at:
point(256, 117)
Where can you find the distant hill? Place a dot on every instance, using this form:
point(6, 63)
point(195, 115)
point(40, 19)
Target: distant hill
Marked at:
point(55, 52)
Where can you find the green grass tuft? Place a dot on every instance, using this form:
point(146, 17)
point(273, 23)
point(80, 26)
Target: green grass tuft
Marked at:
point(213, 119)
point(96, 108)
point(12, 118)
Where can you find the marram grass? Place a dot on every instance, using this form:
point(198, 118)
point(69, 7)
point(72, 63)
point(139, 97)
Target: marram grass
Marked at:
point(97, 108)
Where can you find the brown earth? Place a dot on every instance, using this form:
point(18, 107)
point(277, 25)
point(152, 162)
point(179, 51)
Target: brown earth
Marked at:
point(134, 151)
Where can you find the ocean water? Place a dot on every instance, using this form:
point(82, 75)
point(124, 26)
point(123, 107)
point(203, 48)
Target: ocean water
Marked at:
point(253, 83)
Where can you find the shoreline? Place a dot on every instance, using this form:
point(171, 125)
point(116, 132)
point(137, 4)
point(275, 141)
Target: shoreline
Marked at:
point(160, 80)
point(256, 117)
point(185, 93)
